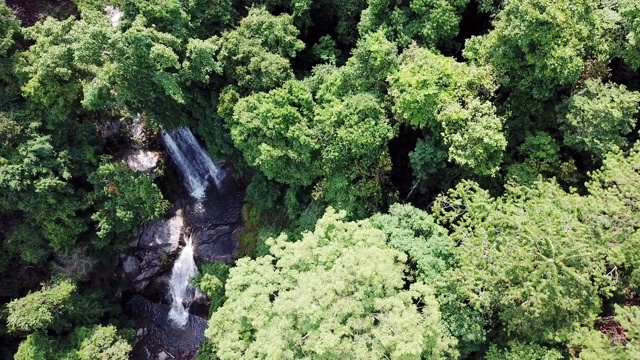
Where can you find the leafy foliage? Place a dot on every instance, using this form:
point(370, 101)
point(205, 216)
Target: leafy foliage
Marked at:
point(127, 199)
point(54, 307)
point(629, 13)
point(279, 305)
point(596, 118)
point(542, 269)
point(428, 21)
point(448, 99)
point(351, 104)
point(98, 342)
point(538, 46)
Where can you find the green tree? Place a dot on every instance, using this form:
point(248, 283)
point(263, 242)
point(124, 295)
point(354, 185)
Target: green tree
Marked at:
point(36, 346)
point(517, 350)
point(124, 199)
point(9, 28)
point(100, 343)
point(354, 134)
point(630, 13)
point(448, 100)
point(338, 292)
point(591, 344)
point(255, 55)
point(433, 258)
point(431, 22)
point(34, 178)
point(211, 280)
point(539, 155)
point(275, 133)
point(56, 307)
point(84, 343)
point(615, 205)
point(61, 68)
point(539, 46)
point(428, 160)
point(596, 118)
point(339, 146)
point(529, 258)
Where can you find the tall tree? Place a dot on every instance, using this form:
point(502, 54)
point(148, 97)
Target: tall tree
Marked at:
point(529, 258)
point(596, 118)
point(338, 292)
point(430, 22)
point(448, 100)
point(539, 46)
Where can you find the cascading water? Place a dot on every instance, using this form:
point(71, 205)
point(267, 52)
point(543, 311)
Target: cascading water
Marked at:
point(198, 171)
point(192, 160)
point(181, 292)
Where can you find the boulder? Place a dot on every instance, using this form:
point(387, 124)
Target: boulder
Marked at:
point(131, 267)
point(142, 160)
point(157, 334)
point(162, 235)
point(219, 248)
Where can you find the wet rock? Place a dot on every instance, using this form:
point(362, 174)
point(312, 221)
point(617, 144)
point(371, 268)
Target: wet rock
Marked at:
point(147, 274)
point(221, 248)
point(131, 267)
point(140, 286)
point(212, 235)
point(222, 205)
point(157, 290)
point(162, 235)
point(159, 335)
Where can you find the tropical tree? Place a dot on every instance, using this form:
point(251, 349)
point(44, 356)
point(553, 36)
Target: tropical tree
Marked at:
point(539, 46)
point(529, 258)
point(596, 118)
point(124, 199)
point(429, 22)
point(448, 100)
point(338, 292)
point(56, 306)
point(84, 343)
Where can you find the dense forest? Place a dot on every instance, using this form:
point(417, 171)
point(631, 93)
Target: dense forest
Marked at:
point(425, 179)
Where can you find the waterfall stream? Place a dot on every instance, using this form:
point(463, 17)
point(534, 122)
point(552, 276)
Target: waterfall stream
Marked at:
point(181, 292)
point(192, 160)
point(209, 215)
point(198, 170)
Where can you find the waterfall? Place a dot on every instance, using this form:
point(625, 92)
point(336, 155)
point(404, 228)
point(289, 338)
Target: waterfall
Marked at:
point(181, 292)
point(192, 160)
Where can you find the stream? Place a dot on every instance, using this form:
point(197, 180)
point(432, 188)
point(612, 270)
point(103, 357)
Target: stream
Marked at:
point(169, 313)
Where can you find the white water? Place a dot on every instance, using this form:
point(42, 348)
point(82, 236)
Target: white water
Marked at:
point(192, 160)
point(183, 269)
point(114, 14)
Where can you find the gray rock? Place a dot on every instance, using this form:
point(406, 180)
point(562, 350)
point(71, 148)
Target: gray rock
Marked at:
point(147, 274)
point(212, 235)
point(131, 267)
point(163, 235)
point(161, 335)
point(222, 249)
point(140, 286)
point(142, 160)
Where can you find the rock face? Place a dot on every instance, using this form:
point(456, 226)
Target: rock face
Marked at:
point(151, 251)
point(162, 235)
point(217, 244)
point(142, 160)
point(158, 338)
